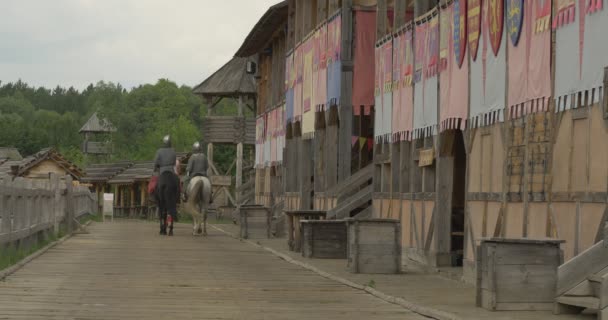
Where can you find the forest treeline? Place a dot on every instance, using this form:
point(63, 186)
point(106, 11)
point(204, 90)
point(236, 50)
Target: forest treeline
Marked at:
point(34, 118)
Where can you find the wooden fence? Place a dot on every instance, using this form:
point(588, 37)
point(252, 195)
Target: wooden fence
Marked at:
point(33, 209)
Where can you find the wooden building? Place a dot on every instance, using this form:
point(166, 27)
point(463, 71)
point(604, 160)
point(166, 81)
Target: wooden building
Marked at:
point(99, 175)
point(130, 187)
point(495, 158)
point(40, 165)
point(495, 133)
point(233, 82)
point(97, 136)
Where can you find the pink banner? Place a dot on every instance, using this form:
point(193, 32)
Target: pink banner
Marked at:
point(529, 67)
point(364, 43)
point(320, 86)
point(454, 93)
point(298, 92)
point(403, 92)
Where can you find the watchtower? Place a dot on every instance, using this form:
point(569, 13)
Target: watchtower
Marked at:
point(231, 81)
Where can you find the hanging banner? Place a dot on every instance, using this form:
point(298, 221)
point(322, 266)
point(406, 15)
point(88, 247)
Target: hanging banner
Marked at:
point(515, 20)
point(577, 52)
point(320, 86)
point(290, 79)
point(308, 114)
point(334, 62)
point(426, 61)
point(488, 73)
point(543, 15)
point(403, 94)
point(454, 87)
point(298, 70)
point(363, 66)
point(378, 88)
point(384, 100)
point(474, 26)
point(460, 30)
point(495, 23)
point(529, 69)
point(565, 12)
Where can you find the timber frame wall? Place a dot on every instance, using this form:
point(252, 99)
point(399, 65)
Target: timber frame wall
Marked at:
point(541, 176)
point(319, 164)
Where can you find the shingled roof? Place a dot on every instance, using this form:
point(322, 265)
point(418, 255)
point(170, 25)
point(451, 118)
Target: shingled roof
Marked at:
point(140, 171)
point(94, 124)
point(104, 172)
point(32, 161)
point(229, 81)
point(261, 34)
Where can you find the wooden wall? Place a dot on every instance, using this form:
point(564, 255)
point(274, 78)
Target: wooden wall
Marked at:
point(43, 169)
point(544, 176)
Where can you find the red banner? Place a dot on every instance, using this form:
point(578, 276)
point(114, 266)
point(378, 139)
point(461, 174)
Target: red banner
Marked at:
point(496, 13)
point(474, 27)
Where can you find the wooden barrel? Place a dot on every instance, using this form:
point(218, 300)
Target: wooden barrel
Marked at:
point(325, 239)
point(254, 222)
point(374, 246)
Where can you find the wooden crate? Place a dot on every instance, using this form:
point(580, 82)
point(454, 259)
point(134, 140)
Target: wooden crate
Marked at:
point(292, 222)
point(517, 274)
point(324, 239)
point(254, 222)
point(374, 246)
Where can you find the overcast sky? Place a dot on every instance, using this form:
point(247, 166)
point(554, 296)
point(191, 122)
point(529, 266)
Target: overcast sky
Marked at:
point(77, 42)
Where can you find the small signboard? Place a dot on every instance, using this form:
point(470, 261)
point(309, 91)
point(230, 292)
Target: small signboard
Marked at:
point(221, 181)
point(427, 156)
point(108, 206)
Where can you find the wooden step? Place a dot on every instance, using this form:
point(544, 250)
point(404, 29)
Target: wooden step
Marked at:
point(588, 302)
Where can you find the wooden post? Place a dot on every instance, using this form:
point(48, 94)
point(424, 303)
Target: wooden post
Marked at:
point(239, 158)
point(132, 199)
point(54, 186)
point(69, 207)
point(345, 109)
point(210, 158)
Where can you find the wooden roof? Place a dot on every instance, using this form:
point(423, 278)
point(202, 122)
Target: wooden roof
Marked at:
point(230, 80)
point(262, 32)
point(104, 172)
point(26, 164)
point(140, 171)
point(94, 124)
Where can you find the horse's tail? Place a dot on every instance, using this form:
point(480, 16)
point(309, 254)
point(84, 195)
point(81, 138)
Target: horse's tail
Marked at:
point(200, 191)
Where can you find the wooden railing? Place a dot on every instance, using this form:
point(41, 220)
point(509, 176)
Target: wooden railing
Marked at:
point(352, 193)
point(31, 208)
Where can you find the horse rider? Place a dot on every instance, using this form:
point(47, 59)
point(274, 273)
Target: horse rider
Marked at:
point(168, 182)
point(197, 166)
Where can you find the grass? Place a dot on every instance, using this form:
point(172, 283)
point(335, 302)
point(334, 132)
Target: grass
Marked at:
point(12, 256)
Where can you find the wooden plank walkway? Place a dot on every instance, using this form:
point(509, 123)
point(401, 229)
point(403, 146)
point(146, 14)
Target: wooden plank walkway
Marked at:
point(124, 270)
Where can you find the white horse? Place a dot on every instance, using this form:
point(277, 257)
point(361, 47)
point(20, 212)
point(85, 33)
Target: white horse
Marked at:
point(199, 198)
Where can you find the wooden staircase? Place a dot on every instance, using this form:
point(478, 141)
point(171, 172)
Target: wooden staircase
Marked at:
point(582, 283)
point(354, 195)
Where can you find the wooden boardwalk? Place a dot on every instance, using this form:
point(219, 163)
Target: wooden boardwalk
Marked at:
point(124, 270)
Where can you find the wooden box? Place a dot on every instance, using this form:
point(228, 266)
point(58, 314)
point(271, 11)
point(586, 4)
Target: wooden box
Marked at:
point(324, 239)
point(292, 222)
point(254, 222)
point(517, 274)
point(374, 246)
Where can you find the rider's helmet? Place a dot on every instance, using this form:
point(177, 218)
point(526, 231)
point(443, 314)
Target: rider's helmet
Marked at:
point(167, 141)
point(196, 147)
